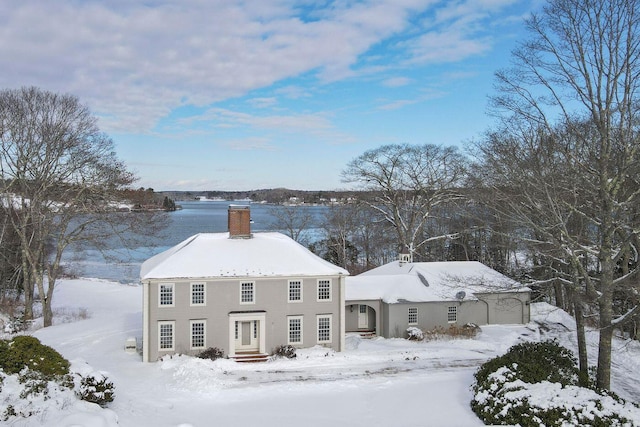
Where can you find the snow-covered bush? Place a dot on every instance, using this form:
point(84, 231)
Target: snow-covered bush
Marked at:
point(31, 374)
point(287, 351)
point(534, 384)
point(15, 324)
point(95, 388)
point(534, 362)
point(90, 385)
point(30, 392)
point(35, 378)
point(212, 353)
point(415, 334)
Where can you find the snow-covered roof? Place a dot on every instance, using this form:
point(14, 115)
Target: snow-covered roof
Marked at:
point(428, 281)
point(216, 255)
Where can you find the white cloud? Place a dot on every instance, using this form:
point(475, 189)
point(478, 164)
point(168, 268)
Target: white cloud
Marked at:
point(396, 105)
point(251, 144)
point(397, 81)
point(262, 102)
point(218, 117)
point(136, 61)
point(446, 46)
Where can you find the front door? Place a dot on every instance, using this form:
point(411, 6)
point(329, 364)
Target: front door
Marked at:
point(363, 317)
point(246, 335)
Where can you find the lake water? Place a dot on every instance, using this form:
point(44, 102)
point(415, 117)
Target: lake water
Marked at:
point(123, 265)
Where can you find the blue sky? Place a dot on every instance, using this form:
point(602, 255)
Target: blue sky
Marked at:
point(241, 95)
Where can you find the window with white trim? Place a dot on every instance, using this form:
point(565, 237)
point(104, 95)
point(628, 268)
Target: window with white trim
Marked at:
point(198, 333)
point(247, 293)
point(413, 315)
point(165, 294)
point(324, 328)
point(197, 294)
point(295, 329)
point(237, 334)
point(166, 335)
point(324, 290)
point(295, 291)
point(452, 314)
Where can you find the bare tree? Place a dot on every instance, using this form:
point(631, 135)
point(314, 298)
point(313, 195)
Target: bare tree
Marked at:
point(292, 220)
point(571, 131)
point(60, 178)
point(408, 182)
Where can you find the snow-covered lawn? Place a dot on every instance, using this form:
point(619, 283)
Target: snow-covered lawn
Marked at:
point(374, 382)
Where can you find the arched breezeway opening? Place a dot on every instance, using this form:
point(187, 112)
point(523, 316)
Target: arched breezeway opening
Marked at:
point(362, 317)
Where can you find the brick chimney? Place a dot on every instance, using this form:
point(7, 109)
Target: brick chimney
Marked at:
point(239, 222)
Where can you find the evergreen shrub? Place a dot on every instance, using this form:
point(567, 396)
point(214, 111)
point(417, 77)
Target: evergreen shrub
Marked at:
point(526, 386)
point(212, 353)
point(96, 388)
point(27, 351)
point(534, 362)
point(287, 351)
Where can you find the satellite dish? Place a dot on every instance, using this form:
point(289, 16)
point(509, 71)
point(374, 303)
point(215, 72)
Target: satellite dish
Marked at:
point(461, 295)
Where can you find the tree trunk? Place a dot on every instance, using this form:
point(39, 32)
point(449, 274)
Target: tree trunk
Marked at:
point(27, 286)
point(603, 376)
point(559, 295)
point(47, 309)
point(46, 301)
point(47, 312)
point(583, 360)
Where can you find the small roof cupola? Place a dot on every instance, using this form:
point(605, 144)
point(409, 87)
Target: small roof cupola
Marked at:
point(405, 256)
point(239, 222)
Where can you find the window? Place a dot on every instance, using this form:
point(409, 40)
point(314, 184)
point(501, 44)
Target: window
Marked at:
point(197, 294)
point(295, 329)
point(165, 335)
point(324, 328)
point(197, 334)
point(452, 314)
point(247, 294)
point(237, 335)
point(324, 290)
point(295, 291)
point(255, 329)
point(166, 294)
point(413, 315)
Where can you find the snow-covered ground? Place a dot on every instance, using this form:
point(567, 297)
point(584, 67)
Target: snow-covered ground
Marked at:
point(374, 382)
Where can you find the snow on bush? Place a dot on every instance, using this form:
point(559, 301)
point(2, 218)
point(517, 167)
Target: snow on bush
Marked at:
point(28, 393)
point(92, 386)
point(212, 353)
point(534, 384)
point(286, 351)
point(509, 400)
point(15, 324)
point(45, 382)
point(415, 334)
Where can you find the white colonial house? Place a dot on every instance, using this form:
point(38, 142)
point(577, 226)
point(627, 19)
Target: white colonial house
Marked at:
point(244, 293)
point(389, 299)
